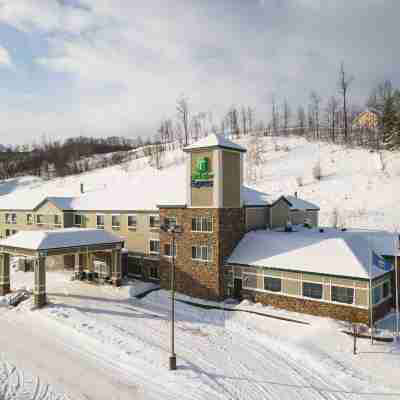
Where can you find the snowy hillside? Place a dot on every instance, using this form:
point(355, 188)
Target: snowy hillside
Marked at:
point(361, 184)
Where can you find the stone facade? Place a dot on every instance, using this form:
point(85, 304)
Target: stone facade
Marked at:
point(199, 278)
point(336, 311)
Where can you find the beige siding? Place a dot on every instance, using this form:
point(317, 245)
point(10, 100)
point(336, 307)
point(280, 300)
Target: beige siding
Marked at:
point(47, 210)
point(299, 217)
point(135, 240)
point(255, 218)
point(279, 214)
point(292, 282)
point(231, 179)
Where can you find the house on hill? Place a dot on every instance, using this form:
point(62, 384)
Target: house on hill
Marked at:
point(231, 240)
point(368, 119)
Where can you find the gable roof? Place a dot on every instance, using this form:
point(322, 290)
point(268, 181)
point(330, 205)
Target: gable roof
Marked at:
point(59, 238)
point(331, 252)
point(62, 203)
point(212, 141)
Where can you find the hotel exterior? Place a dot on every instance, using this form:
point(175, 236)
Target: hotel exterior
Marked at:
point(221, 220)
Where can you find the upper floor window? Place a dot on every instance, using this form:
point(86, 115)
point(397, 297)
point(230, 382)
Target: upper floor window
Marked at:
point(116, 221)
point(170, 251)
point(132, 221)
point(57, 220)
point(154, 246)
point(11, 218)
point(154, 221)
point(29, 219)
point(202, 253)
point(39, 219)
point(100, 221)
point(202, 224)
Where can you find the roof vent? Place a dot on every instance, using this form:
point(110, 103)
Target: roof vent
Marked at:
point(82, 188)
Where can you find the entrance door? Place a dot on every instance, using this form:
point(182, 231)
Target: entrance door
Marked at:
point(237, 289)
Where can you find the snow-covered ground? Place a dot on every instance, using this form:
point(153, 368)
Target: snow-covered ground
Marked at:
point(98, 342)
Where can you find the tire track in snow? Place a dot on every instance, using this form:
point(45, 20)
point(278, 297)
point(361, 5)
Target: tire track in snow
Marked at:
point(16, 384)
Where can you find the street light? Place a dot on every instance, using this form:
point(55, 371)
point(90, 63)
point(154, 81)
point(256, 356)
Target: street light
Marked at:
point(173, 230)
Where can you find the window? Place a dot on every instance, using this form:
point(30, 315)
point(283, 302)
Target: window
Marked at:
point(100, 221)
point(116, 221)
point(78, 219)
point(10, 232)
point(343, 294)
point(170, 222)
point(202, 224)
point(312, 290)
point(168, 250)
point(202, 253)
point(11, 219)
point(57, 220)
point(272, 284)
point(39, 219)
point(386, 289)
point(29, 219)
point(377, 294)
point(154, 246)
point(132, 222)
point(154, 272)
point(154, 221)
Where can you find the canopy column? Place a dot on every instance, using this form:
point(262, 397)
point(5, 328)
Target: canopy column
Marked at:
point(116, 265)
point(39, 291)
point(4, 274)
point(78, 268)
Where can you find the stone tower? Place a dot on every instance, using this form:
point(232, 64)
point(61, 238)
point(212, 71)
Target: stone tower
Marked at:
point(212, 219)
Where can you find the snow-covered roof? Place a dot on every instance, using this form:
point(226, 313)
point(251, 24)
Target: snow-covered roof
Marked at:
point(331, 252)
point(214, 140)
point(63, 203)
point(59, 238)
point(253, 197)
point(299, 204)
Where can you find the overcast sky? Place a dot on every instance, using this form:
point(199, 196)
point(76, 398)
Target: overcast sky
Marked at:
point(116, 67)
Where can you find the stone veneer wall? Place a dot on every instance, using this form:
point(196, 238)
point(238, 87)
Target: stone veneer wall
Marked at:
point(335, 311)
point(346, 313)
point(197, 278)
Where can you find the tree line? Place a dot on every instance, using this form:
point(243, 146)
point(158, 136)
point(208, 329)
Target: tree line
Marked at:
point(54, 158)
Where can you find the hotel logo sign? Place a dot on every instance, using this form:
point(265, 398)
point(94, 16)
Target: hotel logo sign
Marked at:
point(202, 176)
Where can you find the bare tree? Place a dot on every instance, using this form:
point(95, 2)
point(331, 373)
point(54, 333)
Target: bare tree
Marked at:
point(332, 112)
point(184, 117)
point(275, 115)
point(243, 118)
point(286, 116)
point(344, 84)
point(250, 119)
point(315, 102)
point(301, 120)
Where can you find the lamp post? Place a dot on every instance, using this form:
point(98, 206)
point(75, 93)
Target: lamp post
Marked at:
point(173, 230)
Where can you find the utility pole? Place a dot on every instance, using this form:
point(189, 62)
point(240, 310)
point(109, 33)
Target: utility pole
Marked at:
point(173, 230)
point(172, 358)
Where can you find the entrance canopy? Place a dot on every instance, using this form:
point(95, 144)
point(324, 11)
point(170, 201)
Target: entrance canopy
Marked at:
point(59, 241)
point(42, 244)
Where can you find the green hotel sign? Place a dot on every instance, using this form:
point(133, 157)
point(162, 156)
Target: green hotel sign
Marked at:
point(202, 176)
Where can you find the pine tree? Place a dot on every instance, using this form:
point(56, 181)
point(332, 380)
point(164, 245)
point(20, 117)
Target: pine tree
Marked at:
point(389, 124)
